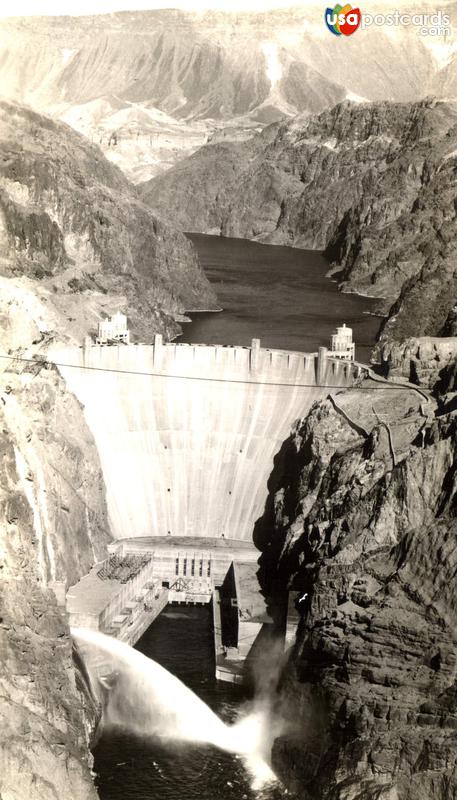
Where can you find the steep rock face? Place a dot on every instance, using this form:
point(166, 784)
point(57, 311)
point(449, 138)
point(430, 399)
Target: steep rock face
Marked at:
point(44, 728)
point(73, 223)
point(56, 455)
point(422, 360)
point(53, 526)
point(373, 184)
point(362, 527)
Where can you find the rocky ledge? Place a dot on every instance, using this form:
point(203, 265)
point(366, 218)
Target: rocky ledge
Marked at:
point(424, 360)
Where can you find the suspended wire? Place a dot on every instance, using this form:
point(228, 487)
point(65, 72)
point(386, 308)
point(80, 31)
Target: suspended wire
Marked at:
point(43, 361)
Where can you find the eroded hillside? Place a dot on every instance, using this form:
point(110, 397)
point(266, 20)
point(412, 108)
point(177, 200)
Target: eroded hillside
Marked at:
point(151, 86)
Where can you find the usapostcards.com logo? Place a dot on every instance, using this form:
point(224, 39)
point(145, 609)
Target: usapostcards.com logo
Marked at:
point(343, 19)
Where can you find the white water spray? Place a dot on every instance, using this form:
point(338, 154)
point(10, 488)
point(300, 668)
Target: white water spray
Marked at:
point(139, 694)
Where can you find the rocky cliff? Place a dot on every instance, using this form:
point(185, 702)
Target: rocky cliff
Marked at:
point(360, 529)
point(53, 526)
point(372, 184)
point(425, 361)
point(77, 243)
point(73, 225)
point(46, 723)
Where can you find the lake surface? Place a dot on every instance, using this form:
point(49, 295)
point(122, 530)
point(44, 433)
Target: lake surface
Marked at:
point(132, 768)
point(279, 295)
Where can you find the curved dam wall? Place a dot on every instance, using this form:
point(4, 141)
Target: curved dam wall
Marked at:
point(188, 451)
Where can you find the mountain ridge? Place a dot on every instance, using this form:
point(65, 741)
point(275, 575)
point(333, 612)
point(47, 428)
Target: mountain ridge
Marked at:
point(207, 71)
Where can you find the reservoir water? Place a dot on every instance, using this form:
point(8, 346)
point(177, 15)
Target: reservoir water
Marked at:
point(280, 295)
point(134, 768)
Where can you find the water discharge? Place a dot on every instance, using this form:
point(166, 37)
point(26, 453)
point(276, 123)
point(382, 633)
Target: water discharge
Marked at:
point(140, 695)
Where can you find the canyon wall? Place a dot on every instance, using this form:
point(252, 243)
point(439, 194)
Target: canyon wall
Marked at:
point(371, 183)
point(72, 224)
point(423, 360)
point(188, 450)
point(53, 526)
point(360, 527)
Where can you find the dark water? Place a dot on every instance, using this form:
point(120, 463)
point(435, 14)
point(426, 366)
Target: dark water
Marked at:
point(277, 294)
point(132, 768)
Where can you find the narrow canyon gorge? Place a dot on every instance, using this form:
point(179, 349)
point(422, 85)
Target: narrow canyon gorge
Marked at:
point(343, 478)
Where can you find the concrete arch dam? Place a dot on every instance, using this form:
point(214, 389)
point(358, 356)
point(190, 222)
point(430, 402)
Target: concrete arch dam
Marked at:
point(187, 434)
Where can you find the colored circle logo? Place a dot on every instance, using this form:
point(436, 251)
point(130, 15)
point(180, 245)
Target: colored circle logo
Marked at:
point(343, 20)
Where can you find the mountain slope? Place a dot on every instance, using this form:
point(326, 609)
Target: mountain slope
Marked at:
point(71, 222)
point(206, 71)
point(373, 184)
point(215, 64)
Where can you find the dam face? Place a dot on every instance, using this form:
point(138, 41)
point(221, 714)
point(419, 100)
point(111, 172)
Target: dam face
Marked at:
point(187, 451)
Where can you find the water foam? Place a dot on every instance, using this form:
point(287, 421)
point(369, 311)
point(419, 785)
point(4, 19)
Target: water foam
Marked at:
point(142, 696)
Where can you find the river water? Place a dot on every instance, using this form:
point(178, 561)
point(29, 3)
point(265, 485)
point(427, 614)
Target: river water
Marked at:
point(280, 295)
point(133, 768)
